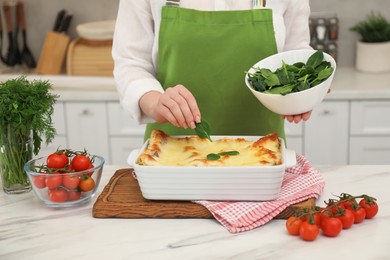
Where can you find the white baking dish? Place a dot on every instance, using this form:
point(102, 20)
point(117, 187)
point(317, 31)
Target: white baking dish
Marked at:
point(241, 183)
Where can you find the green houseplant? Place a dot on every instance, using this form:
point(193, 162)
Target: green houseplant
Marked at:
point(373, 47)
point(26, 108)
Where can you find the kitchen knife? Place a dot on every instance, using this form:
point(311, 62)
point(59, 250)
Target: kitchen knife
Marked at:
point(65, 23)
point(59, 20)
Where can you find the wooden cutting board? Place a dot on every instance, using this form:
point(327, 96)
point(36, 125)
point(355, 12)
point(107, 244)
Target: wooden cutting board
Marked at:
point(122, 198)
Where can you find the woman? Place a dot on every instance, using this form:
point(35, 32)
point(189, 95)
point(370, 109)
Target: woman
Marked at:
point(179, 61)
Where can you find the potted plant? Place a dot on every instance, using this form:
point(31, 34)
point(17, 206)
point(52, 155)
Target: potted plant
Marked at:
point(26, 108)
point(373, 49)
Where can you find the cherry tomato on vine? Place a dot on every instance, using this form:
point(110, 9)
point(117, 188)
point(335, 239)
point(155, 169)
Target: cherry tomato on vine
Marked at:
point(90, 172)
point(308, 231)
point(347, 219)
point(80, 163)
point(86, 183)
point(331, 227)
point(370, 206)
point(39, 181)
point(57, 160)
point(74, 195)
point(58, 195)
point(349, 204)
point(71, 182)
point(316, 218)
point(293, 224)
point(53, 181)
point(359, 214)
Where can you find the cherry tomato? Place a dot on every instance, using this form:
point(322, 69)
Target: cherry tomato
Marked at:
point(58, 195)
point(349, 204)
point(370, 206)
point(308, 232)
point(347, 219)
point(90, 172)
point(57, 160)
point(325, 214)
point(331, 227)
point(86, 183)
point(74, 195)
point(81, 163)
point(292, 225)
point(71, 181)
point(53, 181)
point(359, 214)
point(39, 181)
point(316, 218)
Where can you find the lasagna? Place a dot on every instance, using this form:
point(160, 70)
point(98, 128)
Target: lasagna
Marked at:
point(165, 150)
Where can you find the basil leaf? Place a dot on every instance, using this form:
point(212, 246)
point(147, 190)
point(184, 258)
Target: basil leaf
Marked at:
point(213, 156)
point(203, 130)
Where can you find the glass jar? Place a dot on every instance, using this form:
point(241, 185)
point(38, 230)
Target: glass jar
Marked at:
point(320, 30)
point(15, 150)
point(333, 29)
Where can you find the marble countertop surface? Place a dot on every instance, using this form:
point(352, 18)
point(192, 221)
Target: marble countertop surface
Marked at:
point(348, 84)
point(29, 230)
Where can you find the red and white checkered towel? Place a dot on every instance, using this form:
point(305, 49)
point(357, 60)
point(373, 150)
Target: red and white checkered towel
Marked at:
point(300, 182)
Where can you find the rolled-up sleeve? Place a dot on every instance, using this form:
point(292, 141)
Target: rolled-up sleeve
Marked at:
point(134, 71)
point(296, 21)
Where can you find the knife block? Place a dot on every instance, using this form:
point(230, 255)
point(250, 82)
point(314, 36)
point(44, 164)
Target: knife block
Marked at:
point(53, 53)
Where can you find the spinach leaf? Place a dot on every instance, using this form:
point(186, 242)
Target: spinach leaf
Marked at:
point(229, 153)
point(214, 156)
point(315, 59)
point(203, 130)
point(270, 78)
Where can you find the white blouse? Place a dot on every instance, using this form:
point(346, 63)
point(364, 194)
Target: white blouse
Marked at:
point(136, 37)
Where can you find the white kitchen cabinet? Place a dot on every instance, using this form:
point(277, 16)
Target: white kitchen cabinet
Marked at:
point(294, 136)
point(125, 133)
point(370, 150)
point(326, 134)
point(121, 148)
point(369, 118)
point(370, 132)
point(87, 127)
point(60, 140)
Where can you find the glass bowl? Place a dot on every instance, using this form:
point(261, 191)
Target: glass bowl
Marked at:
point(64, 189)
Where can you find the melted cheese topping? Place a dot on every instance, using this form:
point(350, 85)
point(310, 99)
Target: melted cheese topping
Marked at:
point(164, 150)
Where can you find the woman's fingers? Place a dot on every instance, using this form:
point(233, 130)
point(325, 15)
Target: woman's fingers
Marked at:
point(179, 107)
point(297, 118)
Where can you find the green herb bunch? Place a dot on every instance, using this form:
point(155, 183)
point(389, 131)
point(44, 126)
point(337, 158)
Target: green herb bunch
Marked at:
point(375, 28)
point(292, 78)
point(27, 106)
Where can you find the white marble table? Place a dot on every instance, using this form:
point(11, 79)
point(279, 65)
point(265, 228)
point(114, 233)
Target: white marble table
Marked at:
point(29, 230)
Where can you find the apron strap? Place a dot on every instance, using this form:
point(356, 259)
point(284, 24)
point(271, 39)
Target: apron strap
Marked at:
point(172, 2)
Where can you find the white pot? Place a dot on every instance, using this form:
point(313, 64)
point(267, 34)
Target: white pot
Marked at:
point(373, 57)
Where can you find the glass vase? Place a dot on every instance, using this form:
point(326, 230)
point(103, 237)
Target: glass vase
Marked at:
point(15, 150)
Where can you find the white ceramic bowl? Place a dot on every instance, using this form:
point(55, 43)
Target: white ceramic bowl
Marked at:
point(294, 103)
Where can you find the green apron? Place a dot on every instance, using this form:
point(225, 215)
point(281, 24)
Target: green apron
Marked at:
point(208, 52)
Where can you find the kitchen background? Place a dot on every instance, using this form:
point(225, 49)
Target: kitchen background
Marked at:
point(40, 16)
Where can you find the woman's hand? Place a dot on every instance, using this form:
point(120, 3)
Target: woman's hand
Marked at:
point(176, 105)
point(297, 118)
